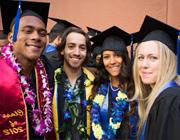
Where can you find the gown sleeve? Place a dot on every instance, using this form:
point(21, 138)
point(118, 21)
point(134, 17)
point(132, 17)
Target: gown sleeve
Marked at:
point(163, 122)
point(54, 59)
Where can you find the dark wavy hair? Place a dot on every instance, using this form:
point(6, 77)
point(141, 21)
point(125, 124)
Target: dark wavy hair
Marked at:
point(75, 30)
point(125, 76)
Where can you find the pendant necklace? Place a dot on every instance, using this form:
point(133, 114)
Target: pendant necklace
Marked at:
point(113, 89)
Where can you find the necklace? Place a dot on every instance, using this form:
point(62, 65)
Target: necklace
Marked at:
point(113, 89)
point(41, 120)
point(72, 95)
point(116, 113)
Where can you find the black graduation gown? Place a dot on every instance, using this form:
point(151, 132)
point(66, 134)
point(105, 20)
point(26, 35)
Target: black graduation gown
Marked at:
point(163, 122)
point(54, 59)
point(61, 101)
point(50, 74)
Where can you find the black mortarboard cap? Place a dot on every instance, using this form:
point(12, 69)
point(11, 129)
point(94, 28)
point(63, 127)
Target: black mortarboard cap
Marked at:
point(61, 25)
point(96, 50)
point(9, 10)
point(93, 32)
point(135, 37)
point(153, 29)
point(113, 39)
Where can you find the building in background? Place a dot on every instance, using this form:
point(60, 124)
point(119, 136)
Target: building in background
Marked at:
point(101, 14)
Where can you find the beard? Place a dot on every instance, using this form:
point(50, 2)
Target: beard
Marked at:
point(73, 65)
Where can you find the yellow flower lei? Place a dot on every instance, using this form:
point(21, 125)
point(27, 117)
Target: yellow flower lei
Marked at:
point(96, 127)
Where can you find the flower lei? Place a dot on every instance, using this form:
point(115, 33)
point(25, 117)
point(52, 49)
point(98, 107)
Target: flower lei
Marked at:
point(71, 105)
point(115, 115)
point(41, 123)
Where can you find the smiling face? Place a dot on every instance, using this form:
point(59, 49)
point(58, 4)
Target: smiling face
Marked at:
point(112, 63)
point(31, 38)
point(148, 62)
point(75, 50)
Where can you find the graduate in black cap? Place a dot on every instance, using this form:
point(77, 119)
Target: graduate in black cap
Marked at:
point(26, 98)
point(112, 87)
point(94, 50)
point(156, 89)
point(91, 64)
point(51, 50)
point(96, 54)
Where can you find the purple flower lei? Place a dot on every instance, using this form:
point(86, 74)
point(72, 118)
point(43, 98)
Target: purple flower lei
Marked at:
point(42, 120)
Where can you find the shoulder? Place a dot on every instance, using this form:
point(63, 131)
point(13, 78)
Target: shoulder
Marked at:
point(164, 115)
point(52, 54)
point(170, 93)
point(53, 58)
point(93, 70)
point(174, 89)
point(46, 62)
point(169, 99)
point(88, 73)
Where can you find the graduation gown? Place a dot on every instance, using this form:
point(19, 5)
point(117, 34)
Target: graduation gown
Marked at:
point(163, 122)
point(58, 103)
point(125, 132)
point(14, 112)
point(54, 59)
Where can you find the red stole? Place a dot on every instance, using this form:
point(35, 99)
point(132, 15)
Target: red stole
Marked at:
point(13, 118)
point(13, 110)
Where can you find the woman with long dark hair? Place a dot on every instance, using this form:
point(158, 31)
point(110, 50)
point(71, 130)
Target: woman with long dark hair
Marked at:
point(112, 88)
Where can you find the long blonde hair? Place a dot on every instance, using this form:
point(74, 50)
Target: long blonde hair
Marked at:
point(144, 93)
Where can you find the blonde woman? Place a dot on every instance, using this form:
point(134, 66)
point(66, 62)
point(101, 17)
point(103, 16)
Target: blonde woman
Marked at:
point(155, 88)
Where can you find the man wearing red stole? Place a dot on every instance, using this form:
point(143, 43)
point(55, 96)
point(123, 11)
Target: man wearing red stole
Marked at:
point(25, 96)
